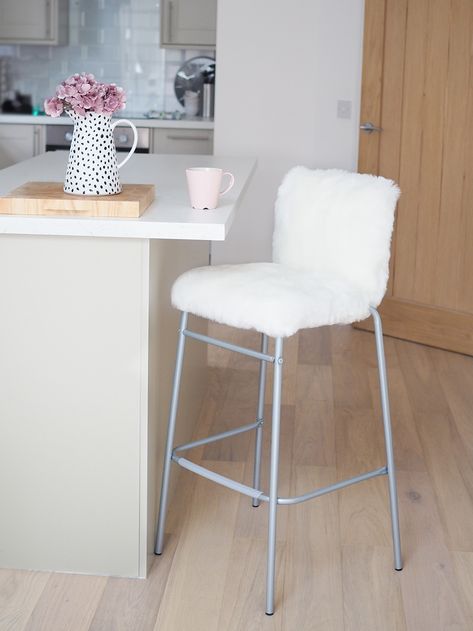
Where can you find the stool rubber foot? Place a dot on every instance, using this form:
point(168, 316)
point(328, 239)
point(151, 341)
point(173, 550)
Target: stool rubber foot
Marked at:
point(269, 614)
point(398, 569)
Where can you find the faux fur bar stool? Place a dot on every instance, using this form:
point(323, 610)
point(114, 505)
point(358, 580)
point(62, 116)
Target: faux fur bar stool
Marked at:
point(331, 251)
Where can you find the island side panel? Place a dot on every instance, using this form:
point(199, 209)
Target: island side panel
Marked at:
point(71, 340)
point(167, 260)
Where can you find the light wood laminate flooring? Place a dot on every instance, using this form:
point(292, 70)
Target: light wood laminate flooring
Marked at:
point(334, 561)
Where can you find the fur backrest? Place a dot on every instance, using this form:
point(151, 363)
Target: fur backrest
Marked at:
point(338, 225)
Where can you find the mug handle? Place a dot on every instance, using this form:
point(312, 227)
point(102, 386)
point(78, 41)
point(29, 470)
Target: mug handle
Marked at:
point(135, 140)
point(232, 182)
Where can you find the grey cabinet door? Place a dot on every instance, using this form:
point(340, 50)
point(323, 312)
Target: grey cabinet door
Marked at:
point(186, 141)
point(188, 23)
point(33, 22)
point(17, 143)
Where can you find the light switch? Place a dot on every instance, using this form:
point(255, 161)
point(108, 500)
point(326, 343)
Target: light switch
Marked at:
point(343, 109)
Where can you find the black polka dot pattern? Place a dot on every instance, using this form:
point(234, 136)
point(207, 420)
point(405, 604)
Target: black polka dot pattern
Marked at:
point(92, 167)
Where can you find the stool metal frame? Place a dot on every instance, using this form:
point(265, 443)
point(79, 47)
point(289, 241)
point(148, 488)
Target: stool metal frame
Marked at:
point(257, 495)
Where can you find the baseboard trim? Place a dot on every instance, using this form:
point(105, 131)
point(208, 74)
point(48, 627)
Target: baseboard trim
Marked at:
point(433, 326)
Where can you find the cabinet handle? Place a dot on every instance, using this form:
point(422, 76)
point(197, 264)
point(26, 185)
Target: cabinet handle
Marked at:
point(49, 14)
point(36, 141)
point(170, 21)
point(171, 137)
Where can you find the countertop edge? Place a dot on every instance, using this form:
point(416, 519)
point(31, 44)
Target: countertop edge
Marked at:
point(26, 119)
point(170, 231)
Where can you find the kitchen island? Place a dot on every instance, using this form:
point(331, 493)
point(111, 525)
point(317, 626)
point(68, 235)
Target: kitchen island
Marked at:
point(87, 338)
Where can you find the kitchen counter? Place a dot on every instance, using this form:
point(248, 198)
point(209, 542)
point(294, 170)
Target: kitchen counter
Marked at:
point(138, 120)
point(169, 217)
point(88, 338)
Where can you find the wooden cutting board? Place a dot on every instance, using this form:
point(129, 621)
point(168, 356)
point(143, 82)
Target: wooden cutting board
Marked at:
point(49, 198)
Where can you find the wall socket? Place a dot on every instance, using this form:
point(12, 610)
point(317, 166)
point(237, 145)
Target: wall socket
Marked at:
point(344, 109)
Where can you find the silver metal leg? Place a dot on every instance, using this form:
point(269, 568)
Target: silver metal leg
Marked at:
point(273, 477)
point(260, 418)
point(170, 438)
point(383, 386)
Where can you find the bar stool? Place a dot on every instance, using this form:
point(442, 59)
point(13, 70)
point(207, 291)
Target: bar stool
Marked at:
point(331, 247)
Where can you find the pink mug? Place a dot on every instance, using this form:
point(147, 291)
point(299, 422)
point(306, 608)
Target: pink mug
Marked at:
point(204, 186)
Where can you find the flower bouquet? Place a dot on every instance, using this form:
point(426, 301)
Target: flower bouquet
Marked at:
point(82, 93)
point(92, 167)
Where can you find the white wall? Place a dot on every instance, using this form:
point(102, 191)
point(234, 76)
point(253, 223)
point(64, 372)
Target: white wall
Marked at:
point(282, 66)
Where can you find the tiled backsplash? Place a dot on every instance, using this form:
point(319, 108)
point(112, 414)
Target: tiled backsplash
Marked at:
point(118, 41)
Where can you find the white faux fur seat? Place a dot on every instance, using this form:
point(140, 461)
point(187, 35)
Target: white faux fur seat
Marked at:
point(269, 297)
point(331, 252)
point(330, 266)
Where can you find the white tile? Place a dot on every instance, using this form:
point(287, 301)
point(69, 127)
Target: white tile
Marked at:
point(97, 44)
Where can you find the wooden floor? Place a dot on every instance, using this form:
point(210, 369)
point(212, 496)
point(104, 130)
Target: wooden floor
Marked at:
point(334, 564)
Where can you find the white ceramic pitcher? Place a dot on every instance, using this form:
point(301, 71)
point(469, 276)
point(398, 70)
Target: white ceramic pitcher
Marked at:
point(92, 168)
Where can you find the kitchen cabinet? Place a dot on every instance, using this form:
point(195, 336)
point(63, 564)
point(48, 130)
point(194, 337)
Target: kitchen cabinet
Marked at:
point(38, 22)
point(188, 141)
point(20, 142)
point(188, 23)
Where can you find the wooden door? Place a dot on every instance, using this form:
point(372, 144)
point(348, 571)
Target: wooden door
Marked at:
point(418, 87)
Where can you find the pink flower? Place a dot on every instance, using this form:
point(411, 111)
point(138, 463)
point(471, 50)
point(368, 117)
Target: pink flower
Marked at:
point(72, 79)
point(114, 99)
point(83, 88)
point(53, 107)
point(61, 91)
point(70, 90)
point(83, 93)
point(88, 102)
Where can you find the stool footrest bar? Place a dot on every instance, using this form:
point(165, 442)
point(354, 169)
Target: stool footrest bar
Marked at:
point(216, 477)
point(286, 501)
point(221, 436)
point(228, 346)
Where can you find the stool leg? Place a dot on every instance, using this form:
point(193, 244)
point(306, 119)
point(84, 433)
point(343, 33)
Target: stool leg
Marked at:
point(383, 386)
point(273, 478)
point(170, 438)
point(260, 417)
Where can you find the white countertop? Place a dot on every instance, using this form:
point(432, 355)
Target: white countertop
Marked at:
point(183, 123)
point(169, 217)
